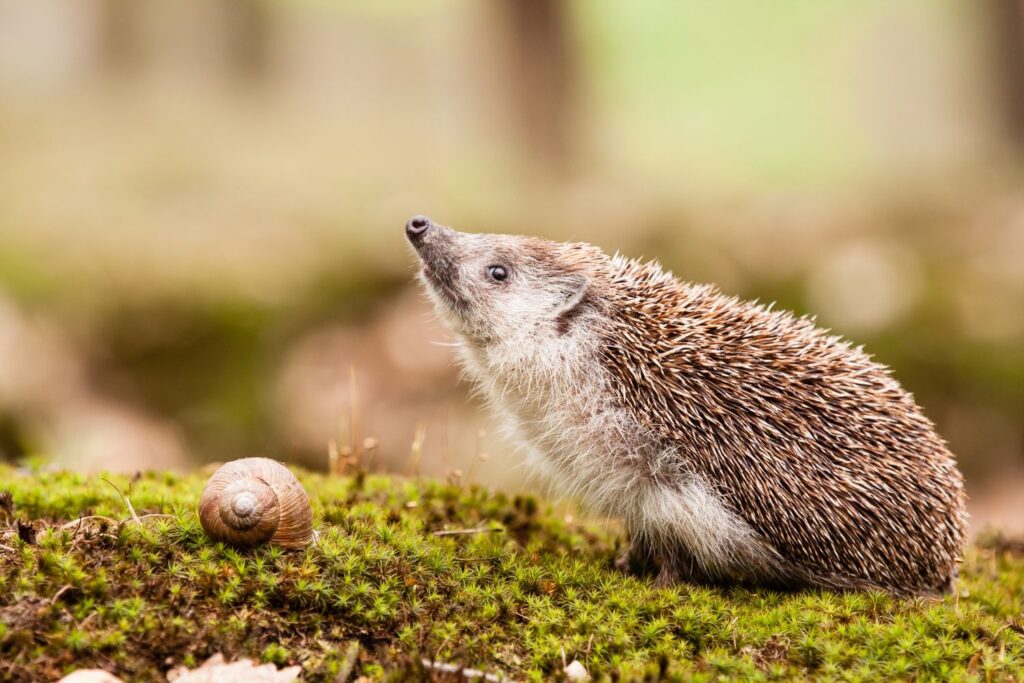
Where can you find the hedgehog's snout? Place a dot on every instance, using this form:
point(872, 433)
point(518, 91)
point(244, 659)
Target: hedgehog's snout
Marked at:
point(417, 228)
point(435, 245)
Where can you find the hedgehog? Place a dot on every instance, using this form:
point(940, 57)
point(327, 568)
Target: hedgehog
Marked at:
point(738, 444)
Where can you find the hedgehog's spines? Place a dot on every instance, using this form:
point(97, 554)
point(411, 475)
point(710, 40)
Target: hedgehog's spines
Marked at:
point(794, 409)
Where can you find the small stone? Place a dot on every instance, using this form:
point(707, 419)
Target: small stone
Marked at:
point(576, 671)
point(217, 670)
point(90, 676)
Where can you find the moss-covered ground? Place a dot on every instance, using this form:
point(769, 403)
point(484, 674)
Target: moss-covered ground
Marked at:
point(525, 590)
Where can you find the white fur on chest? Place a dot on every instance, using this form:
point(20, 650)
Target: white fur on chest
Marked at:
point(554, 402)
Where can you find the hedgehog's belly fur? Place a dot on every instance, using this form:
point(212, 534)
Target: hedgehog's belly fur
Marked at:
point(669, 511)
point(586, 448)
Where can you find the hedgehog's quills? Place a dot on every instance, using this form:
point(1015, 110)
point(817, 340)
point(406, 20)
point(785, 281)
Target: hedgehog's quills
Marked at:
point(737, 443)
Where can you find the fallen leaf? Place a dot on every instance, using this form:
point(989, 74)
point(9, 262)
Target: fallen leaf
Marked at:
point(216, 670)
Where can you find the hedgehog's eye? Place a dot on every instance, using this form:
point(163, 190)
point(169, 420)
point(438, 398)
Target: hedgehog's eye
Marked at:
point(497, 273)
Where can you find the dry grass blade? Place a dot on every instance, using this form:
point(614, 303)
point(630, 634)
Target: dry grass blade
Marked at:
point(464, 532)
point(90, 518)
point(127, 501)
point(349, 663)
point(412, 469)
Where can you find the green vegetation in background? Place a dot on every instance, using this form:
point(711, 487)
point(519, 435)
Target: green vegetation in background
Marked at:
point(744, 93)
point(23, 277)
point(728, 103)
point(527, 589)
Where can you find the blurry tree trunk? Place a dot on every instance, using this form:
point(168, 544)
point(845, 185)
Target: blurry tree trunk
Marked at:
point(118, 28)
point(541, 76)
point(1007, 21)
point(249, 26)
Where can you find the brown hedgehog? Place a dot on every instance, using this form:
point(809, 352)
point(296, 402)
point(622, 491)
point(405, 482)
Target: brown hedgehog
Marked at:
point(737, 443)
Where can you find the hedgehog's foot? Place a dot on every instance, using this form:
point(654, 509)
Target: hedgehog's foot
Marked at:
point(667, 576)
point(667, 569)
point(635, 560)
point(673, 572)
point(680, 567)
point(949, 586)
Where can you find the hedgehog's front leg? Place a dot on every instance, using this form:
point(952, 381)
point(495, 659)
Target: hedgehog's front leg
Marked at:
point(668, 576)
point(668, 569)
point(637, 560)
point(679, 566)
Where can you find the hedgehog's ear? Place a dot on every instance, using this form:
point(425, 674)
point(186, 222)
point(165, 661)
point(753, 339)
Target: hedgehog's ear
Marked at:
point(579, 286)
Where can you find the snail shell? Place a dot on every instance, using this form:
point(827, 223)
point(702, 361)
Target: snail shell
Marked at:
point(256, 500)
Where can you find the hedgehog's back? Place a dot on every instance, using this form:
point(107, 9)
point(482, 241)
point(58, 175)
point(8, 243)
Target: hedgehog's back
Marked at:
point(812, 443)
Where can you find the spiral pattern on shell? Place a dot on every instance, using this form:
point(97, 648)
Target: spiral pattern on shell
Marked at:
point(256, 500)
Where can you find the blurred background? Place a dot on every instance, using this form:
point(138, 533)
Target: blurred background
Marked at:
point(202, 203)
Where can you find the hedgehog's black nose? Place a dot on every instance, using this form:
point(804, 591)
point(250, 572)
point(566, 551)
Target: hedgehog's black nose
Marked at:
point(417, 227)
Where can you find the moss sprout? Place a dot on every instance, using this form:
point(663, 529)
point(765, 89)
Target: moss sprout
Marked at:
point(503, 584)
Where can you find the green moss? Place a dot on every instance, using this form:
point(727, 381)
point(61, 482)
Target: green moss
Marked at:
point(380, 592)
point(274, 653)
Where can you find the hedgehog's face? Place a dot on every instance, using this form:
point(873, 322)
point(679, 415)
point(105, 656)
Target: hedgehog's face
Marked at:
point(498, 290)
